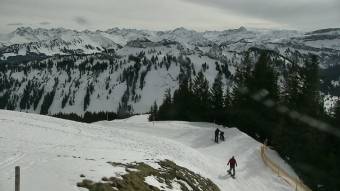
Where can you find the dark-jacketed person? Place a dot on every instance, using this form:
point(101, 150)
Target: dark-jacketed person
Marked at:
point(232, 163)
point(217, 132)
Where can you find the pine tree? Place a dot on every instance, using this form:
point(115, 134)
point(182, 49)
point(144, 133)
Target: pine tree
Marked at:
point(164, 112)
point(216, 100)
point(200, 99)
point(311, 105)
point(200, 88)
point(336, 111)
point(227, 101)
point(241, 86)
point(292, 87)
point(153, 112)
point(265, 77)
point(47, 101)
point(87, 99)
point(334, 144)
point(217, 93)
point(183, 102)
point(285, 127)
point(311, 98)
point(247, 104)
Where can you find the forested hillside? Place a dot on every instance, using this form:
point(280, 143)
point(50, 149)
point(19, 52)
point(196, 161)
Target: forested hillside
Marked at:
point(284, 109)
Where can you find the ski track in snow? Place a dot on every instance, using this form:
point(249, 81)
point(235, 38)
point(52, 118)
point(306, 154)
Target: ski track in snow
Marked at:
point(53, 152)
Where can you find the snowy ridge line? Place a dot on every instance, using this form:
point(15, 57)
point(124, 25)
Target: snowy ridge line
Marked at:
point(25, 41)
point(293, 181)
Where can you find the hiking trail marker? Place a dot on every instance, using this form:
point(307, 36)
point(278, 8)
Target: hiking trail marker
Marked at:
point(17, 178)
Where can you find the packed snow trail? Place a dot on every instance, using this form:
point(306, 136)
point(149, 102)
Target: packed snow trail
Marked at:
point(251, 173)
point(53, 153)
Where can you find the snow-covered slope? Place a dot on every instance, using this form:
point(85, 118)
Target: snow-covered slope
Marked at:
point(109, 80)
point(130, 79)
point(53, 153)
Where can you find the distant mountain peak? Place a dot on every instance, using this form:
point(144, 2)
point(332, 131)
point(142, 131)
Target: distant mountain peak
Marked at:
point(23, 30)
point(182, 30)
point(242, 28)
point(328, 30)
point(179, 29)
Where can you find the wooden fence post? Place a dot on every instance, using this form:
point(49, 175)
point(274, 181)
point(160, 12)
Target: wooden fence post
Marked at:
point(17, 178)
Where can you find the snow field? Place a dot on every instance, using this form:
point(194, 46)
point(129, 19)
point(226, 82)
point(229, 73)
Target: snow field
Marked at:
point(53, 153)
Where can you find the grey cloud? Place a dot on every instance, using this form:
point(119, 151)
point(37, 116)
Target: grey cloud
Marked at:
point(81, 21)
point(15, 24)
point(155, 14)
point(295, 13)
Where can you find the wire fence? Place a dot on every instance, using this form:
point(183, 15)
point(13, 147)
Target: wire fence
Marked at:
point(295, 182)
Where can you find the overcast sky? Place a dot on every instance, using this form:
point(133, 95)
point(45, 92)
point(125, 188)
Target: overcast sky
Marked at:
point(169, 14)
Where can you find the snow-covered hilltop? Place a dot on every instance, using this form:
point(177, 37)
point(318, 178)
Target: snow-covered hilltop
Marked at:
point(53, 153)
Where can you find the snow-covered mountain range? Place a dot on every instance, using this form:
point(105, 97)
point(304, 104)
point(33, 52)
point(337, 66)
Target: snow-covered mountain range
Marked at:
point(50, 71)
point(62, 41)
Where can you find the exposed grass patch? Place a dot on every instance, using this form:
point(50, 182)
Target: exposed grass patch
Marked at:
point(134, 180)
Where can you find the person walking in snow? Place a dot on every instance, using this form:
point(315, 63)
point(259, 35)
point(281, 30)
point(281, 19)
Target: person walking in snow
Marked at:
point(232, 163)
point(217, 132)
point(221, 135)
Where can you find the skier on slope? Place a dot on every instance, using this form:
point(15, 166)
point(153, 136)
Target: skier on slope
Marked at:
point(217, 132)
point(232, 163)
